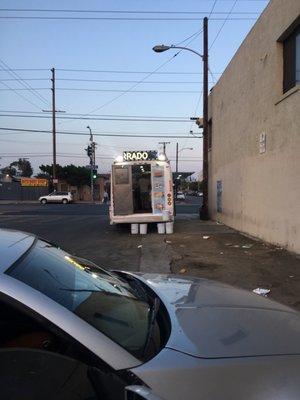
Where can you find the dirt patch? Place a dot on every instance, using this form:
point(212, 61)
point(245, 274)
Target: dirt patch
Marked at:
point(235, 259)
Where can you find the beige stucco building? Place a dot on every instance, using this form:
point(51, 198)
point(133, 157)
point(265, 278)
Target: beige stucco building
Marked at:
point(254, 156)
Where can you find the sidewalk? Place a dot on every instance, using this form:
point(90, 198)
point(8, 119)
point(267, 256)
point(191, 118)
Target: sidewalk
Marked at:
point(209, 250)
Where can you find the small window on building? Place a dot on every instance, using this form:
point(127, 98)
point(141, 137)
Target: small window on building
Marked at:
point(291, 57)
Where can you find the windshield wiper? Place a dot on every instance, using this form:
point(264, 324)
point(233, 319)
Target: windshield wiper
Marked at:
point(83, 290)
point(138, 288)
point(152, 318)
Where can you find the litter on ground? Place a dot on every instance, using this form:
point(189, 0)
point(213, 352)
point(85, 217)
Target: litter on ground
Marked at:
point(182, 271)
point(247, 246)
point(140, 246)
point(205, 237)
point(261, 291)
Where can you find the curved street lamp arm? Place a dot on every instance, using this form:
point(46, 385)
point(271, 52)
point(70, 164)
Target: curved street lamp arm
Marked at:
point(186, 48)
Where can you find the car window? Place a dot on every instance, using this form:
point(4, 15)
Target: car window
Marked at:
point(98, 297)
point(36, 374)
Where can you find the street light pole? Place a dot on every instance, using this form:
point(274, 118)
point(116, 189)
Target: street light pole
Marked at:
point(203, 212)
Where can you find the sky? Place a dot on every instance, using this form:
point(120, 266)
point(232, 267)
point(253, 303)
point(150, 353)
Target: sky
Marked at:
point(115, 75)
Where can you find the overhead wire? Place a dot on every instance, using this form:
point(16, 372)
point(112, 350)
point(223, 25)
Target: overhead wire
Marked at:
point(172, 19)
point(95, 133)
point(104, 81)
point(20, 95)
point(109, 90)
point(222, 26)
point(91, 118)
point(23, 83)
point(102, 115)
point(131, 87)
point(119, 11)
point(114, 71)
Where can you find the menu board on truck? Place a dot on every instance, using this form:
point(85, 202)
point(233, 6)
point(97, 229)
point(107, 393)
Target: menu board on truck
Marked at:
point(158, 189)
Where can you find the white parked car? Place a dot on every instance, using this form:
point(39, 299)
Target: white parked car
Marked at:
point(180, 196)
point(57, 197)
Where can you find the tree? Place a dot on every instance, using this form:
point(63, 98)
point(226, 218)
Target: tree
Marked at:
point(72, 174)
point(8, 171)
point(47, 171)
point(22, 167)
point(76, 176)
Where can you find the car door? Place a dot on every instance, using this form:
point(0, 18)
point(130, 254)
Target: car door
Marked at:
point(39, 360)
point(33, 374)
point(47, 309)
point(52, 197)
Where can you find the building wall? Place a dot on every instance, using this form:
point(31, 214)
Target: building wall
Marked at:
point(260, 192)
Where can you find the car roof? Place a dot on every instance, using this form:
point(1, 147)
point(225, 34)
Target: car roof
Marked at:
point(13, 244)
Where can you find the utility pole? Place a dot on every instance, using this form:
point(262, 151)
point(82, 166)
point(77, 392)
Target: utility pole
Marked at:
point(164, 146)
point(53, 111)
point(53, 128)
point(204, 214)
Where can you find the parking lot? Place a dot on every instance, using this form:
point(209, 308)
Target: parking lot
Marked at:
point(227, 256)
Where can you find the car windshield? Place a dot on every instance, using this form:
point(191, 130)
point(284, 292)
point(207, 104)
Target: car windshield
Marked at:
point(100, 298)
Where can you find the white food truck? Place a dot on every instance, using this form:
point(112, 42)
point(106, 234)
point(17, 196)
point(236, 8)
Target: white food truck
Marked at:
point(141, 189)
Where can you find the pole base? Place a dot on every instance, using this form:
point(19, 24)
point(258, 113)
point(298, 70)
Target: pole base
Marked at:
point(203, 214)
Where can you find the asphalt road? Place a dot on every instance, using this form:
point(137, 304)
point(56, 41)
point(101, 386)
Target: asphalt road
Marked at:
point(189, 206)
point(84, 230)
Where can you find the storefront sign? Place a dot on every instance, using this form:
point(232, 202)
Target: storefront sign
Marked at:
point(33, 182)
point(139, 155)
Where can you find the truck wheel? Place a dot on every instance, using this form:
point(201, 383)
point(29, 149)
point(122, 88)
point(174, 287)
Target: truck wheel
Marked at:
point(65, 201)
point(43, 201)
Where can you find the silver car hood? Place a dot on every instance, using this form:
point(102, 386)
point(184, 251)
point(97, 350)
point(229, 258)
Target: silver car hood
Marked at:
point(213, 320)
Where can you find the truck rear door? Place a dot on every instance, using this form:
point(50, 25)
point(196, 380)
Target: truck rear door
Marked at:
point(122, 190)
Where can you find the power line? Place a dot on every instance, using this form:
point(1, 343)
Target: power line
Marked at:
point(103, 115)
point(114, 71)
point(18, 155)
point(23, 83)
point(122, 11)
point(222, 26)
point(20, 95)
point(105, 81)
point(91, 118)
point(177, 19)
point(194, 36)
point(110, 90)
point(131, 87)
point(19, 130)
